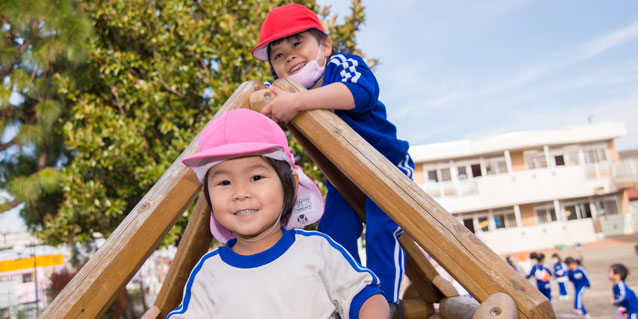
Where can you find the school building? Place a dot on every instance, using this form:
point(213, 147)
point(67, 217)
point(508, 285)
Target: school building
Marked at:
point(523, 191)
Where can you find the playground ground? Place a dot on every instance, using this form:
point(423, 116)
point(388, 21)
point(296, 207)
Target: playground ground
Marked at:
point(597, 257)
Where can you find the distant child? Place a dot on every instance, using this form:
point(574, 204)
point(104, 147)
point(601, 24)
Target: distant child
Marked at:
point(541, 274)
point(578, 276)
point(623, 296)
point(510, 262)
point(268, 268)
point(560, 273)
point(293, 41)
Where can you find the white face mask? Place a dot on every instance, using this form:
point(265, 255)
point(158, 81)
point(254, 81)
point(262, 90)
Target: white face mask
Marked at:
point(310, 73)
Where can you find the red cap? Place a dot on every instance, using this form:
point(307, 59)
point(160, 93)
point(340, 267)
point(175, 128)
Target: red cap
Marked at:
point(282, 22)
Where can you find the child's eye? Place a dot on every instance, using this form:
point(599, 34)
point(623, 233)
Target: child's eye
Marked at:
point(256, 178)
point(277, 56)
point(223, 183)
point(296, 44)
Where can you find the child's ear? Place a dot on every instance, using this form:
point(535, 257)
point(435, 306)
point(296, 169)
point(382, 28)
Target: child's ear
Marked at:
point(326, 46)
point(296, 176)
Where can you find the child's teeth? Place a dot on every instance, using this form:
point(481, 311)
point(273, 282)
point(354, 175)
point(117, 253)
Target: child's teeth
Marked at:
point(245, 212)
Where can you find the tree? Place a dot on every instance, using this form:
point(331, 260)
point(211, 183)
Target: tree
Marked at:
point(41, 43)
point(157, 72)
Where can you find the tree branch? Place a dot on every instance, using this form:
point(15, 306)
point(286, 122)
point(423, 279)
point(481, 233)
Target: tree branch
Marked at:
point(117, 100)
point(166, 86)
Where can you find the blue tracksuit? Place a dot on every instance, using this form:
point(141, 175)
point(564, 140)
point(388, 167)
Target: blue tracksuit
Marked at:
point(542, 275)
point(368, 118)
point(625, 297)
point(580, 279)
point(560, 272)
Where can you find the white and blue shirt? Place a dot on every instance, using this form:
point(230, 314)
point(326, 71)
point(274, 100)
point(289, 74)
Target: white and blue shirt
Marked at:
point(304, 275)
point(578, 277)
point(625, 297)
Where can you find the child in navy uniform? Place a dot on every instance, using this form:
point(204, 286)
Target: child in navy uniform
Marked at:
point(295, 44)
point(623, 296)
point(560, 273)
point(541, 274)
point(578, 276)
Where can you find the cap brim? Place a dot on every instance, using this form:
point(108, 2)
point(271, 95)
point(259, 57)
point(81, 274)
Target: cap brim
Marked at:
point(260, 52)
point(201, 162)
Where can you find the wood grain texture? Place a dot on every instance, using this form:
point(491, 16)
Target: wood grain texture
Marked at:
point(152, 313)
point(458, 308)
point(445, 287)
point(464, 256)
point(416, 309)
point(195, 243)
point(114, 264)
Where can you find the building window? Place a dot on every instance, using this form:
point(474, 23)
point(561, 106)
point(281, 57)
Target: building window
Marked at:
point(559, 160)
point(462, 172)
point(535, 159)
point(439, 175)
point(433, 177)
point(546, 215)
point(606, 206)
point(595, 153)
point(504, 220)
point(580, 210)
point(495, 165)
point(484, 223)
point(27, 277)
point(476, 170)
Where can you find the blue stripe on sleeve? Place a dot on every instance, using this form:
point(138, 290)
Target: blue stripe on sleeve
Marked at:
point(361, 297)
point(189, 284)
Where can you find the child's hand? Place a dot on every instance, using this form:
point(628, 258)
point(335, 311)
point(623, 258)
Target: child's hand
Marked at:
point(284, 107)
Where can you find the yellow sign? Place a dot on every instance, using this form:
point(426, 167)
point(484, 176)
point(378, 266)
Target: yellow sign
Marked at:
point(26, 263)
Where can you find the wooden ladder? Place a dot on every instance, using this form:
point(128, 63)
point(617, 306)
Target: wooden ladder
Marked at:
point(357, 170)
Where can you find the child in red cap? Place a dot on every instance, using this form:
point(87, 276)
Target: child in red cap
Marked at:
point(295, 44)
point(268, 268)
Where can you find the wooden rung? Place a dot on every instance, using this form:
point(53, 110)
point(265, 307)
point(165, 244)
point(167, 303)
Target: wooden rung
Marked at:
point(416, 308)
point(497, 306)
point(152, 313)
point(445, 286)
point(458, 308)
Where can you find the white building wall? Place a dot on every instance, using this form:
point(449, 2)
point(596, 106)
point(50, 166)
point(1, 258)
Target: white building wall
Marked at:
point(510, 240)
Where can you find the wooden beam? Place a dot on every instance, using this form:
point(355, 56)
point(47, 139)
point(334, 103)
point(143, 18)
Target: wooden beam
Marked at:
point(114, 264)
point(195, 243)
point(455, 248)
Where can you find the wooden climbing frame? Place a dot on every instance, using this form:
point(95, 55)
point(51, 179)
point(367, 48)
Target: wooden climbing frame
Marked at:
point(357, 170)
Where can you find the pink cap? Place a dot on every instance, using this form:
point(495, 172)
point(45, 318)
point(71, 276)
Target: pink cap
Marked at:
point(245, 132)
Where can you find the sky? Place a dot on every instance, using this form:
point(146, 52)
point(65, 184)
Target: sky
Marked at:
point(452, 70)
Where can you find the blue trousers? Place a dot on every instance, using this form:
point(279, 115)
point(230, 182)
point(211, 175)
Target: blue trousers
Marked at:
point(562, 287)
point(545, 289)
point(578, 299)
point(384, 255)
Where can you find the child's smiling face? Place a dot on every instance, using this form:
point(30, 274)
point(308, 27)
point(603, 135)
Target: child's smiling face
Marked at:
point(246, 195)
point(291, 54)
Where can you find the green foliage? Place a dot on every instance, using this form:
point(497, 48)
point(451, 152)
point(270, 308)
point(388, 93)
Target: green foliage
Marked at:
point(41, 42)
point(155, 73)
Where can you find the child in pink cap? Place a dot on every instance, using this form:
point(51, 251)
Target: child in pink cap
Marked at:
point(268, 268)
point(294, 43)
